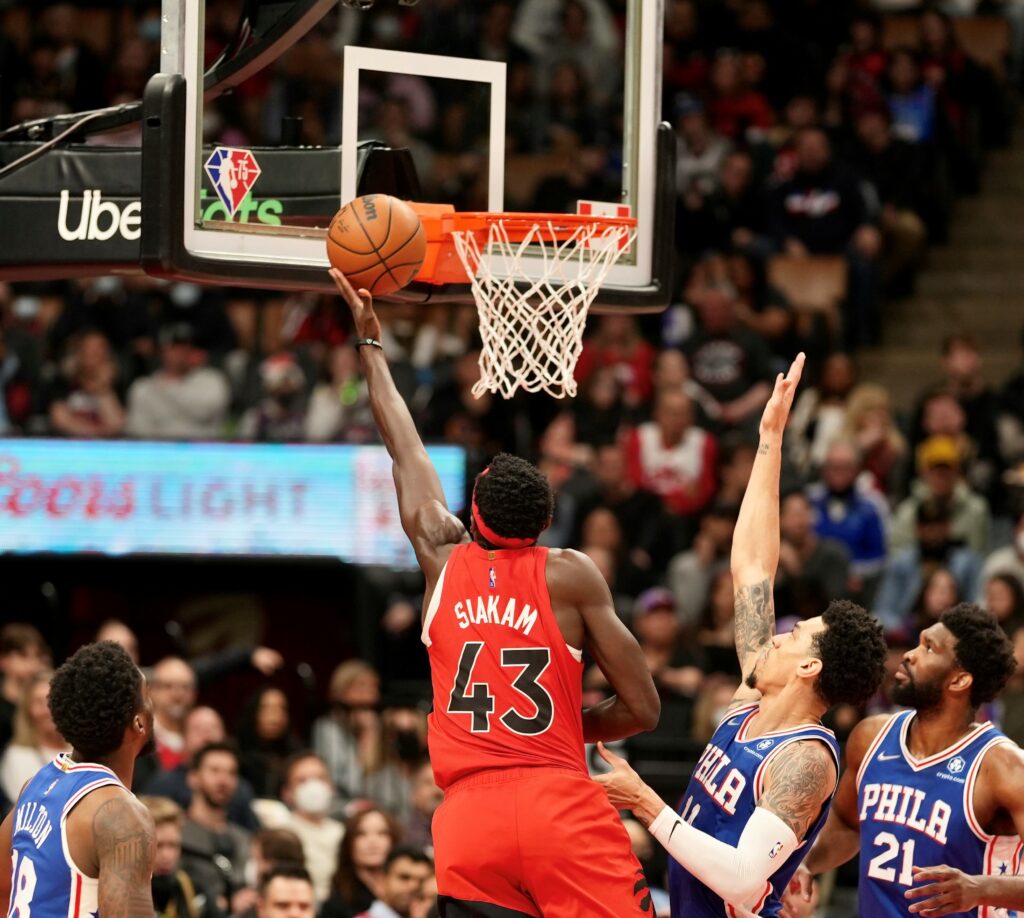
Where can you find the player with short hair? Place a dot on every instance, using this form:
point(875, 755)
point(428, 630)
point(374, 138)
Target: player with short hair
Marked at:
point(931, 797)
point(77, 838)
point(762, 787)
point(522, 830)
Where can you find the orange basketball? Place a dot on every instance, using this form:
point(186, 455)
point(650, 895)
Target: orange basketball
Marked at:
point(377, 242)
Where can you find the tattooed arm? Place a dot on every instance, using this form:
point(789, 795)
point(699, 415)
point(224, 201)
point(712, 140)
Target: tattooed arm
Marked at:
point(755, 542)
point(125, 848)
point(797, 783)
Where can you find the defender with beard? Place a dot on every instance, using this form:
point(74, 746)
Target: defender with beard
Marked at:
point(931, 797)
point(761, 789)
point(79, 842)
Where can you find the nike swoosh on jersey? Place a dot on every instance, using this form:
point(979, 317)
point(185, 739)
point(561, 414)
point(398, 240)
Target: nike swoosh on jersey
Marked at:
point(889, 758)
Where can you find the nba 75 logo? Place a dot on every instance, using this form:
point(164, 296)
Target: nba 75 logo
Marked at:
point(232, 173)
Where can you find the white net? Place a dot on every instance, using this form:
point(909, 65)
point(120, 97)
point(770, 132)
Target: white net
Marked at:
point(532, 337)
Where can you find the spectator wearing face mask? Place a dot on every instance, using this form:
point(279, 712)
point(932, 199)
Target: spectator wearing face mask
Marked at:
point(175, 893)
point(308, 793)
point(348, 737)
point(403, 749)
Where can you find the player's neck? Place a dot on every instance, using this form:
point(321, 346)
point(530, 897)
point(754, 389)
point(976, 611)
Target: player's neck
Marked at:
point(122, 765)
point(937, 729)
point(785, 709)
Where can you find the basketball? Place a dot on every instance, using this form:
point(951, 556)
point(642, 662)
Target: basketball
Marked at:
point(377, 242)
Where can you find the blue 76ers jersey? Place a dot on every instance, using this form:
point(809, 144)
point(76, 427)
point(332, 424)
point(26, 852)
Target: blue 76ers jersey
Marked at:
point(920, 813)
point(721, 798)
point(44, 881)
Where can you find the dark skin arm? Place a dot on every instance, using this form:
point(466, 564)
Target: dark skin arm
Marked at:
point(755, 544)
point(583, 605)
point(946, 890)
point(427, 522)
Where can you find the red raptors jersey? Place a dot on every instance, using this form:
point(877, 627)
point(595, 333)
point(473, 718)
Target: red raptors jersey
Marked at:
point(507, 687)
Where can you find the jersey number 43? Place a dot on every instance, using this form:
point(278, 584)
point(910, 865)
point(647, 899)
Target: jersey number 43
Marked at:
point(475, 698)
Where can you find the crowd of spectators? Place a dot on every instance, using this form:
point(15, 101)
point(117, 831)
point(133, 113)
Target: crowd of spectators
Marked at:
point(799, 133)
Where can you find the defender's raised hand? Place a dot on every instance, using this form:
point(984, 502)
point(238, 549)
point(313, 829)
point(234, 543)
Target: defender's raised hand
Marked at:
point(776, 412)
point(361, 303)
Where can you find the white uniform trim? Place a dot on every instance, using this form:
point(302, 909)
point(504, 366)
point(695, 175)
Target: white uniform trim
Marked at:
point(435, 602)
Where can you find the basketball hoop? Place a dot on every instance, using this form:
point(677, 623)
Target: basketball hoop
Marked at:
point(531, 324)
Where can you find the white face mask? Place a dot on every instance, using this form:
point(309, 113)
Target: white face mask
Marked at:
point(251, 874)
point(313, 797)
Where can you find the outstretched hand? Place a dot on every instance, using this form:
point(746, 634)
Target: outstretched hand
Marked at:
point(947, 891)
point(622, 785)
point(361, 303)
point(776, 412)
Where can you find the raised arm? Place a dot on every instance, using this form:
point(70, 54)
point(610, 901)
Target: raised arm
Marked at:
point(635, 706)
point(755, 541)
point(421, 502)
point(125, 849)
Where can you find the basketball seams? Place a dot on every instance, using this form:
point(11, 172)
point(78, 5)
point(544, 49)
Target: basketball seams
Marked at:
point(368, 268)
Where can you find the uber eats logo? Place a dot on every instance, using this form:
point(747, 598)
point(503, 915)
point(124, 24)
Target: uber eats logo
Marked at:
point(92, 218)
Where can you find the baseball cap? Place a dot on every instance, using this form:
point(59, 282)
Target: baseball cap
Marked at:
point(936, 451)
point(687, 104)
point(654, 598)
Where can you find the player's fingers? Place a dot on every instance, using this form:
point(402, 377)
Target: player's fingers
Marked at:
point(609, 757)
point(938, 872)
point(806, 886)
point(796, 369)
point(919, 892)
point(345, 288)
point(934, 908)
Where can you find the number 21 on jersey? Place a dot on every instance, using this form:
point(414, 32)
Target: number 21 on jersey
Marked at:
point(475, 698)
point(878, 869)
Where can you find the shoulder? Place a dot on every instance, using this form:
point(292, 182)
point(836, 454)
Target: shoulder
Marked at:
point(571, 572)
point(863, 735)
point(121, 826)
point(1003, 767)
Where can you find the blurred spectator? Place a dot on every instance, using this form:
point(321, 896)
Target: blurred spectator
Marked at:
point(911, 99)
point(702, 152)
point(900, 175)
point(16, 388)
point(214, 850)
point(370, 836)
point(598, 413)
point(737, 462)
point(309, 793)
point(115, 630)
point(637, 509)
point(1011, 419)
point(1010, 558)
point(424, 903)
point(731, 363)
point(202, 726)
point(184, 400)
point(1004, 598)
point(405, 871)
point(938, 462)
point(272, 848)
point(729, 213)
point(819, 413)
point(85, 403)
point(870, 424)
point(812, 570)
point(403, 749)
point(673, 458)
point(339, 409)
point(672, 371)
point(23, 656)
point(424, 800)
point(279, 415)
point(690, 573)
point(821, 210)
point(736, 109)
point(617, 343)
point(173, 690)
point(685, 58)
point(847, 511)
point(963, 380)
point(286, 892)
point(939, 592)
point(175, 894)
point(36, 740)
point(908, 569)
point(601, 530)
point(348, 738)
point(266, 740)
point(78, 68)
point(717, 634)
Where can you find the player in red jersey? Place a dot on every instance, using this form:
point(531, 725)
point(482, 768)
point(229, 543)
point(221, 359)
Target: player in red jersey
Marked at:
point(522, 831)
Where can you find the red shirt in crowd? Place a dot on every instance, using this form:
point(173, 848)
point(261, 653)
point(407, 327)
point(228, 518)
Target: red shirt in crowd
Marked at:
point(682, 475)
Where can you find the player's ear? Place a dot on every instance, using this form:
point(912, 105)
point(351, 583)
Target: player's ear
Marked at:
point(961, 681)
point(810, 668)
